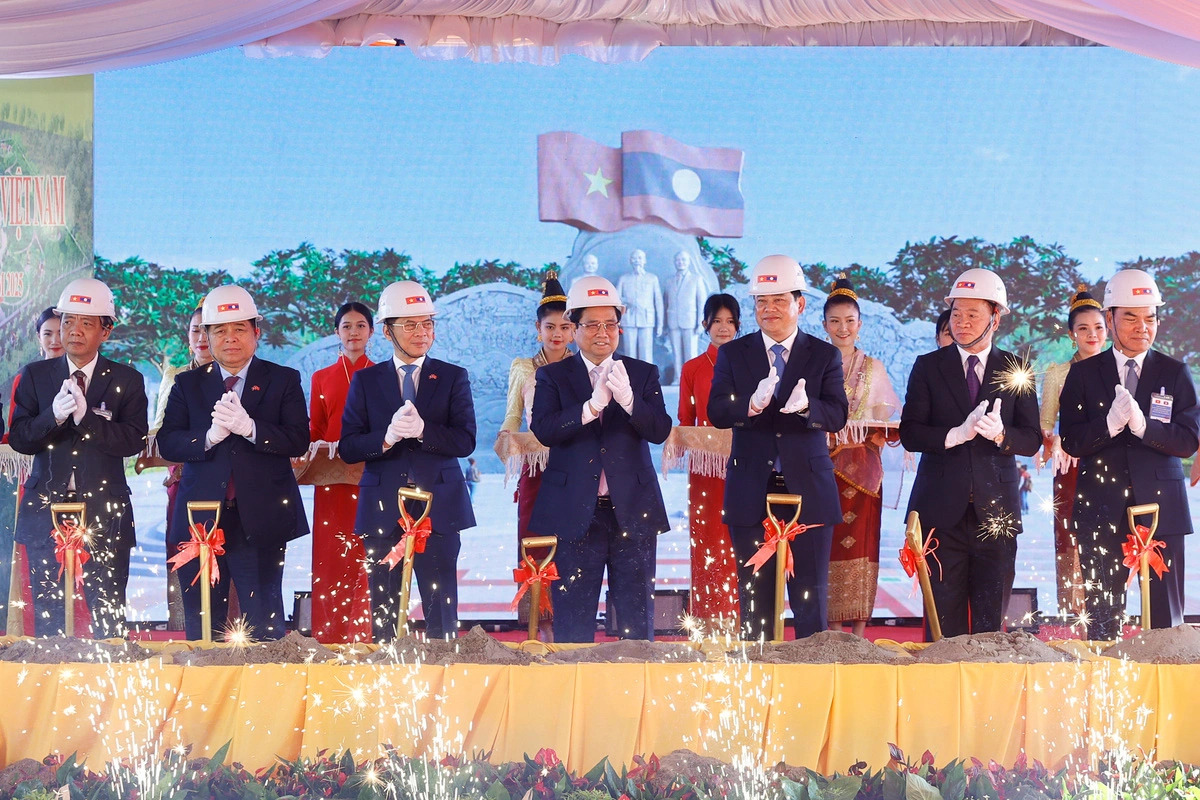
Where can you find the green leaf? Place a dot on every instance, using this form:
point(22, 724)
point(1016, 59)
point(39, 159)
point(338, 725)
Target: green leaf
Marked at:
point(893, 785)
point(66, 770)
point(218, 758)
point(917, 788)
point(497, 792)
point(793, 790)
point(955, 785)
point(596, 774)
point(843, 787)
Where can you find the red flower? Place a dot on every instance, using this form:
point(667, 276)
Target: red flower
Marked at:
point(546, 758)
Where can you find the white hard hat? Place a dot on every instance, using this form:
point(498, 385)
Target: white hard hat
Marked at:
point(979, 284)
point(1132, 288)
point(86, 296)
point(404, 299)
point(228, 303)
point(776, 275)
point(592, 291)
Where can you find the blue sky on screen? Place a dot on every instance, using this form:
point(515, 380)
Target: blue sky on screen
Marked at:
point(214, 161)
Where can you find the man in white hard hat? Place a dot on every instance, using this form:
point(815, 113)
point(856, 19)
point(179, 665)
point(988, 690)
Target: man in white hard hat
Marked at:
point(411, 418)
point(598, 413)
point(782, 393)
point(80, 415)
point(235, 425)
point(969, 414)
point(1129, 415)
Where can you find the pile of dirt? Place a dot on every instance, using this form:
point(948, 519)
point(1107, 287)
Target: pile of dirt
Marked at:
point(1178, 645)
point(628, 651)
point(26, 770)
point(477, 647)
point(999, 647)
point(69, 650)
point(826, 647)
point(291, 649)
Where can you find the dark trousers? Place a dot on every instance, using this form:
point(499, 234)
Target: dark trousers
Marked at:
point(105, 577)
point(1105, 580)
point(436, 574)
point(974, 582)
point(629, 559)
point(256, 570)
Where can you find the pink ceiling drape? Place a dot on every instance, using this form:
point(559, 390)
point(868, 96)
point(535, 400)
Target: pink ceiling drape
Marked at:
point(63, 37)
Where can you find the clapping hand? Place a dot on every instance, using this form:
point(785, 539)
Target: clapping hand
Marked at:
point(618, 383)
point(230, 415)
point(765, 391)
point(990, 425)
point(798, 400)
point(64, 404)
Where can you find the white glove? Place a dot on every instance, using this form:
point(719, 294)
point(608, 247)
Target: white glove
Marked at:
point(765, 391)
point(1137, 420)
point(410, 422)
point(216, 433)
point(64, 402)
point(80, 401)
point(601, 395)
point(966, 431)
point(394, 433)
point(1120, 411)
point(798, 401)
point(990, 425)
point(618, 383)
point(231, 416)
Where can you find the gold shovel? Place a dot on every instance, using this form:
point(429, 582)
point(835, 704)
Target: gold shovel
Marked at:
point(205, 575)
point(535, 588)
point(781, 551)
point(1144, 562)
point(69, 565)
point(916, 543)
point(419, 495)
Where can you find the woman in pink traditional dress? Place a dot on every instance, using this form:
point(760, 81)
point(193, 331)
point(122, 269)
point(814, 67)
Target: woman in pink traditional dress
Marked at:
point(714, 596)
point(857, 465)
point(341, 600)
point(554, 333)
point(1085, 326)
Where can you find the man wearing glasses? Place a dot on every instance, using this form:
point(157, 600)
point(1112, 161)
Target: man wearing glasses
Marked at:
point(411, 418)
point(598, 413)
point(781, 392)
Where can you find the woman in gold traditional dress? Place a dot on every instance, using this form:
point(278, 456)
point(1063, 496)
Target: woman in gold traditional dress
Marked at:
point(857, 465)
point(554, 333)
point(1085, 326)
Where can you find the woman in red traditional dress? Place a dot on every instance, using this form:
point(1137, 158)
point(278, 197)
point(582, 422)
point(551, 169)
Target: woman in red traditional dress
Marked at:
point(857, 465)
point(1085, 326)
point(341, 600)
point(554, 333)
point(47, 328)
point(713, 599)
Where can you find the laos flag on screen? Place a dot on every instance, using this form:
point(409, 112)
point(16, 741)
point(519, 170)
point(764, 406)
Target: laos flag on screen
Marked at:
point(695, 190)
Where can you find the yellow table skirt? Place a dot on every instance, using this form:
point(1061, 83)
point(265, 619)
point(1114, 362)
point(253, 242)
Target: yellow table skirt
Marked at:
point(822, 716)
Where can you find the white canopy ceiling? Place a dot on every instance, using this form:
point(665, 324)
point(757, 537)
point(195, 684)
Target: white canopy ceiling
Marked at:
point(69, 37)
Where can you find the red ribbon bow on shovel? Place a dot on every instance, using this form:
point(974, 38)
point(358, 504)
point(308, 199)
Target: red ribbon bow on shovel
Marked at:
point(189, 550)
point(1142, 546)
point(71, 539)
point(530, 573)
point(418, 530)
point(774, 536)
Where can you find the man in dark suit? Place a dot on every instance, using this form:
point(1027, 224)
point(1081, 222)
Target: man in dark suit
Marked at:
point(598, 413)
point(969, 417)
point(411, 418)
point(235, 425)
point(79, 416)
point(1129, 415)
point(782, 393)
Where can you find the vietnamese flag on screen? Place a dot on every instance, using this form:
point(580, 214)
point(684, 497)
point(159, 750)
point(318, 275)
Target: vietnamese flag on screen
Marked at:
point(695, 190)
point(579, 182)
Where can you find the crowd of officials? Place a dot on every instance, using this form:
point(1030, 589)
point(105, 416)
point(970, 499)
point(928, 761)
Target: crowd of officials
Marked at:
point(809, 417)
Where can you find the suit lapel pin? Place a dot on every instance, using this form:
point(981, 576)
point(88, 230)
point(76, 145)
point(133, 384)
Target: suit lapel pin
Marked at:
point(432, 377)
point(254, 388)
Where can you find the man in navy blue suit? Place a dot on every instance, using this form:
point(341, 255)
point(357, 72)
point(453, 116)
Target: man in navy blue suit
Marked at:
point(1129, 415)
point(235, 425)
point(80, 415)
point(599, 495)
point(969, 425)
point(782, 392)
point(411, 418)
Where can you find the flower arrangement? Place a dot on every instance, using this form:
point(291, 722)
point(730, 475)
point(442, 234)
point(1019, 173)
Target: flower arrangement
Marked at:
point(544, 777)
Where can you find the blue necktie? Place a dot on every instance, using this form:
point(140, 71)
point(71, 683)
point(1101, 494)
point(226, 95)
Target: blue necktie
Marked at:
point(408, 388)
point(777, 349)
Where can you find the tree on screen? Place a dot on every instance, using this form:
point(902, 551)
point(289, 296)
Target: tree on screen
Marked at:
point(729, 268)
point(1040, 279)
point(870, 283)
point(477, 273)
point(1178, 278)
point(153, 307)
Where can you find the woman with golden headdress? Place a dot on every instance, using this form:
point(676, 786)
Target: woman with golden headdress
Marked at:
point(857, 464)
point(1085, 326)
point(554, 333)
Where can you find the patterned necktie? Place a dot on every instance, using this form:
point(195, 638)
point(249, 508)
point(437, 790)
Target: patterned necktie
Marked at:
point(594, 376)
point(1131, 376)
point(779, 363)
point(408, 387)
point(80, 379)
point(972, 378)
point(230, 382)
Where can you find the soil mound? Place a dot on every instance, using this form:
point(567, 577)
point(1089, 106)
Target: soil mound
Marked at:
point(1178, 645)
point(998, 647)
point(826, 647)
point(69, 650)
point(628, 651)
point(291, 649)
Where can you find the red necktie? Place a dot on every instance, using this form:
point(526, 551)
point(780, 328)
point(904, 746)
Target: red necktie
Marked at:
point(80, 379)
